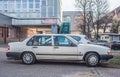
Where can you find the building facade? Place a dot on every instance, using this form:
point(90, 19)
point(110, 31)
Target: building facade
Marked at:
point(32, 16)
point(77, 21)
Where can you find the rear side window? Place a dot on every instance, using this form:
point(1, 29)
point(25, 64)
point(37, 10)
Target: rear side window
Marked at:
point(40, 41)
point(77, 38)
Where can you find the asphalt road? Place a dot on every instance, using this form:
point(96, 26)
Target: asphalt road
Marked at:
point(12, 68)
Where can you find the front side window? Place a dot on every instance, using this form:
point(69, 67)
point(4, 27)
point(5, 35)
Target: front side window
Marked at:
point(40, 41)
point(62, 41)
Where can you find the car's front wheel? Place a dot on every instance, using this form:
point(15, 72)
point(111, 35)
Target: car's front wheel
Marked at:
point(92, 59)
point(28, 58)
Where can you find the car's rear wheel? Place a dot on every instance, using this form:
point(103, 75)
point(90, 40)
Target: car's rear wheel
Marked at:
point(92, 59)
point(28, 58)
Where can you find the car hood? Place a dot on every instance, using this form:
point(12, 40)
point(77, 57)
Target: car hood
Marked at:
point(92, 47)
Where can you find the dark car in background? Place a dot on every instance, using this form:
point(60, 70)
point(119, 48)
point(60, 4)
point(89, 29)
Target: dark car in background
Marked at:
point(115, 45)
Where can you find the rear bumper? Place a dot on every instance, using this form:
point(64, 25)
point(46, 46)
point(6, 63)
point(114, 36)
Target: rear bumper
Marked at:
point(13, 55)
point(106, 57)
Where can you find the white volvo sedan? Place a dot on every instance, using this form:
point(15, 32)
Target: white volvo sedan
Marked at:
point(57, 47)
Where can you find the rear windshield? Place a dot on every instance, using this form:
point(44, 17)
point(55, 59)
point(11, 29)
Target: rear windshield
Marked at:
point(77, 38)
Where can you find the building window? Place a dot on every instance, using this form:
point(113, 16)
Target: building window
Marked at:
point(50, 2)
point(43, 11)
point(24, 5)
point(18, 11)
point(25, 10)
point(50, 11)
point(24, 1)
point(37, 10)
point(31, 1)
point(18, 5)
point(31, 10)
point(55, 11)
point(37, 0)
point(38, 15)
point(37, 5)
point(11, 7)
point(43, 2)
point(18, 15)
point(5, 6)
point(31, 5)
point(24, 15)
point(1, 6)
point(18, 0)
point(6, 10)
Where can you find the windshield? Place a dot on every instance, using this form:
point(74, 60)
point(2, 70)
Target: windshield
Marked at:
point(77, 38)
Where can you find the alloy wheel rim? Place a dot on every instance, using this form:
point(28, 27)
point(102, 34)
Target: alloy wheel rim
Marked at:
point(93, 60)
point(27, 58)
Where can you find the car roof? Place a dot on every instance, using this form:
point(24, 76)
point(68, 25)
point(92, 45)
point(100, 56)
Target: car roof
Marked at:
point(59, 34)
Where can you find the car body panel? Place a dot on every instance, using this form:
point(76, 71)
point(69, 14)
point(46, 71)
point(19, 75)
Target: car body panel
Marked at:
point(75, 51)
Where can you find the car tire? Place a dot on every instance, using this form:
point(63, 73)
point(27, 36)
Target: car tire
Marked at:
point(28, 58)
point(92, 59)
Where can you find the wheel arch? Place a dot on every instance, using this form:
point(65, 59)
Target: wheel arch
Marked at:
point(27, 52)
point(91, 52)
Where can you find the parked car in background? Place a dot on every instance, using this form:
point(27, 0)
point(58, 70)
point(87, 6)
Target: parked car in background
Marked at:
point(57, 47)
point(101, 42)
point(115, 45)
point(83, 39)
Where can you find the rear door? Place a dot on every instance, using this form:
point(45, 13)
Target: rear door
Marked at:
point(42, 46)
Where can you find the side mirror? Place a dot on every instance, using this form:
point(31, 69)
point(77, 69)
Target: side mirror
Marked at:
point(72, 44)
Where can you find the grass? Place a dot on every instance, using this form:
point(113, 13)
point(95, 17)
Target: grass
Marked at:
point(115, 62)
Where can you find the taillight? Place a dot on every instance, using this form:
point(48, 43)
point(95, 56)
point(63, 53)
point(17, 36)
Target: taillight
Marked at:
point(8, 47)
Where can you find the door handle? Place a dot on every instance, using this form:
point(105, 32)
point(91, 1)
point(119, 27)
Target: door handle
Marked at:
point(34, 47)
point(56, 47)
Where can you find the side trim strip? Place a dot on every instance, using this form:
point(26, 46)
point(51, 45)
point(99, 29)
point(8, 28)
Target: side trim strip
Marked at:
point(61, 54)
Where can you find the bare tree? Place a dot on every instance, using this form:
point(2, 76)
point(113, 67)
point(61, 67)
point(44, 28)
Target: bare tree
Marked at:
point(97, 9)
point(83, 6)
point(115, 27)
point(100, 9)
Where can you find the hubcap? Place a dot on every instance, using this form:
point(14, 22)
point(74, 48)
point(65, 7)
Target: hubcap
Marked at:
point(93, 60)
point(27, 58)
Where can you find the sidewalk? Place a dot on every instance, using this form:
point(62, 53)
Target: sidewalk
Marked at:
point(116, 52)
point(3, 47)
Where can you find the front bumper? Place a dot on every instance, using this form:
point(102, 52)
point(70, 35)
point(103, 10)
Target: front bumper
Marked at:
point(14, 55)
point(106, 57)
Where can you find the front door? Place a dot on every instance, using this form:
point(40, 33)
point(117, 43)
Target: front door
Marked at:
point(64, 48)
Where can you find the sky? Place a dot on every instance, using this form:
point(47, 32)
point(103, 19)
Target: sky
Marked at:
point(68, 5)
